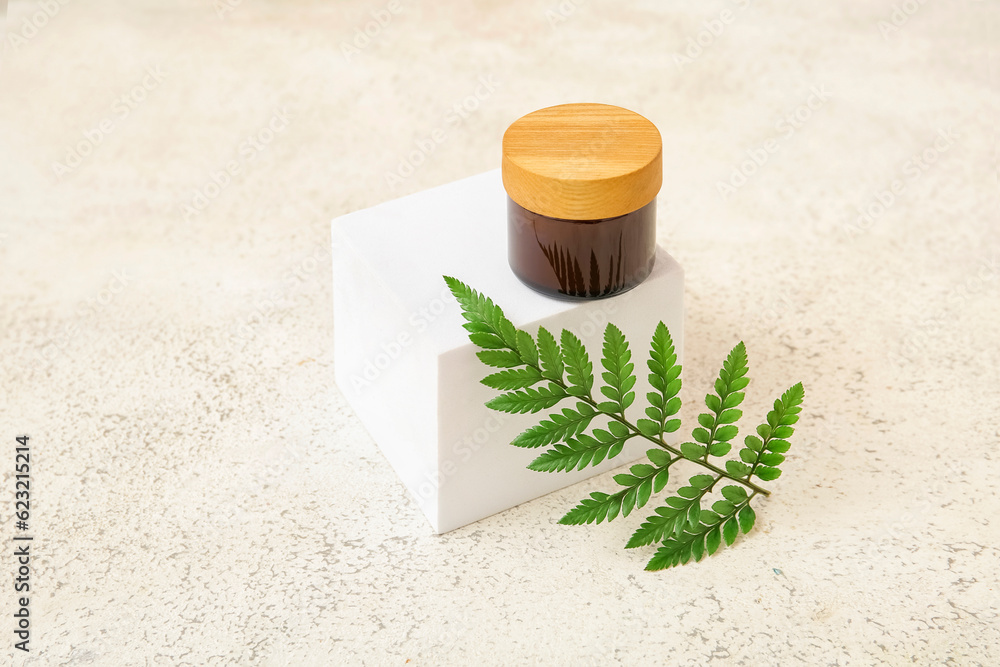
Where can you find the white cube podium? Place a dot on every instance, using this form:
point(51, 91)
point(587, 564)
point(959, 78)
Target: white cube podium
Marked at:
point(405, 363)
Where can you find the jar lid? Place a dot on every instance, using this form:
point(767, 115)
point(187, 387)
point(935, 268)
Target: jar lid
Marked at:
point(582, 161)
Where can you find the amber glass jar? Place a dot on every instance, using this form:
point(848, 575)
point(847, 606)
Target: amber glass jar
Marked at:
point(582, 181)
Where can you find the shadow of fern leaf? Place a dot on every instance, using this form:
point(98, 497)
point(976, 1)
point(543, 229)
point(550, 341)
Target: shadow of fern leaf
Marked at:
point(577, 285)
point(595, 275)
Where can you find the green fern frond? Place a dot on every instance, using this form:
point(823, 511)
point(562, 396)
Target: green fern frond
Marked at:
point(684, 529)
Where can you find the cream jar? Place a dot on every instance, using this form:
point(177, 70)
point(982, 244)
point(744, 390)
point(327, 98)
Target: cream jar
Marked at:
point(582, 181)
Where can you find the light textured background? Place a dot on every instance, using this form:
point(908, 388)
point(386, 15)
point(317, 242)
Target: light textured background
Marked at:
point(204, 496)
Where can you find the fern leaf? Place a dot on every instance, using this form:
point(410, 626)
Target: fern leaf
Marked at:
point(579, 370)
point(519, 378)
point(487, 341)
point(527, 400)
point(500, 358)
point(640, 482)
point(594, 509)
point(559, 426)
point(664, 377)
point(764, 452)
point(482, 315)
point(655, 528)
point(678, 513)
point(705, 537)
point(526, 348)
point(550, 354)
point(717, 428)
point(618, 371)
point(581, 451)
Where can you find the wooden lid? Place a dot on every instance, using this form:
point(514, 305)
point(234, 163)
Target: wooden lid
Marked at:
point(582, 161)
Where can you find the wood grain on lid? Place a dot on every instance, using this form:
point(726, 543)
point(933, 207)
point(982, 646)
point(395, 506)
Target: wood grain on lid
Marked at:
point(582, 161)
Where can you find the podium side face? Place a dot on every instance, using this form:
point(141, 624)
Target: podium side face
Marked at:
point(387, 372)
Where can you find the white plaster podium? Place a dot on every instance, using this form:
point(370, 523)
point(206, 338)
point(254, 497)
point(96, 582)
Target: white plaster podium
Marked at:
point(405, 363)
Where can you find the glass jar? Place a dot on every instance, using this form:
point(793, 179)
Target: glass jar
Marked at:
point(582, 181)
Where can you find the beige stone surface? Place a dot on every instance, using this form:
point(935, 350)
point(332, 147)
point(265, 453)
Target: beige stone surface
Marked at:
point(203, 495)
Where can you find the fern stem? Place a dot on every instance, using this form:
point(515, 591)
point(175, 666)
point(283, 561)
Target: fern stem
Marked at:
point(657, 441)
point(711, 439)
point(763, 448)
point(724, 473)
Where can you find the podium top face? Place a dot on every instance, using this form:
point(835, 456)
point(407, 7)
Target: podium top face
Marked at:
point(458, 229)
